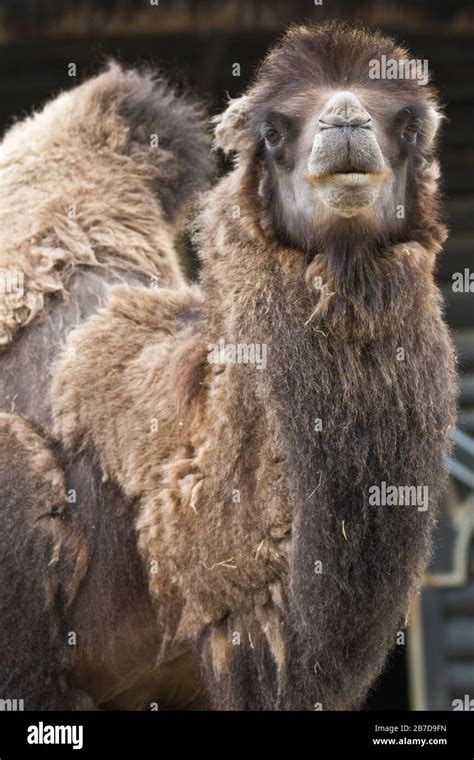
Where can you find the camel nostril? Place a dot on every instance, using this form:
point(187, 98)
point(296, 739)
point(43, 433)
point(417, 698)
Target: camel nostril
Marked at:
point(345, 123)
point(344, 109)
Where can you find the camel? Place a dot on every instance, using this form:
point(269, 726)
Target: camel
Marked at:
point(191, 467)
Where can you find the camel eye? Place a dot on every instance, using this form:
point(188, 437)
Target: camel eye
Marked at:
point(272, 136)
point(411, 131)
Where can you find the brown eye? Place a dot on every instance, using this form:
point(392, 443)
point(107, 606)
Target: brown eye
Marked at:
point(411, 131)
point(272, 136)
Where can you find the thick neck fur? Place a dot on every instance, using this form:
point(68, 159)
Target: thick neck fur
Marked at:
point(358, 390)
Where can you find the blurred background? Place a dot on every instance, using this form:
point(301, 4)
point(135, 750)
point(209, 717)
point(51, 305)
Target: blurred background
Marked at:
point(197, 43)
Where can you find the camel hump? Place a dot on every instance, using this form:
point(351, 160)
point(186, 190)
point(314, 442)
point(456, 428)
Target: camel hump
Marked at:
point(101, 177)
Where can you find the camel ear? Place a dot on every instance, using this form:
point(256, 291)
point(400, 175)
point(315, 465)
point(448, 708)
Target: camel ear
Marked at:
point(231, 125)
point(432, 124)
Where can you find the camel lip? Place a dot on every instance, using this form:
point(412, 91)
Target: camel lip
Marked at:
point(348, 176)
point(351, 171)
point(356, 179)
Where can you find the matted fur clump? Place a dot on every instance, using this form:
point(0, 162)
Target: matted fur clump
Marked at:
point(226, 439)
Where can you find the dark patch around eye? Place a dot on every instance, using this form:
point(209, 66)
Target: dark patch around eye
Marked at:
point(277, 120)
point(408, 126)
point(412, 131)
point(276, 131)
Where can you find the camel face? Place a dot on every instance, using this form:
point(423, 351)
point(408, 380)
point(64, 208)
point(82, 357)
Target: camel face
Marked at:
point(342, 154)
point(330, 153)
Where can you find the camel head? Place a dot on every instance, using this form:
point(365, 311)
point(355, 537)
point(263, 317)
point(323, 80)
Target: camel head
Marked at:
point(338, 132)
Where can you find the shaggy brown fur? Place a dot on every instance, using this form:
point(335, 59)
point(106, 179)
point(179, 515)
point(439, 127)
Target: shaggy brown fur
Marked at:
point(33, 600)
point(102, 176)
point(234, 495)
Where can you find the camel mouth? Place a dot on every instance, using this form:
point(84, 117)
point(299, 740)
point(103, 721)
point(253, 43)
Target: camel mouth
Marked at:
point(355, 179)
point(351, 171)
point(349, 177)
point(348, 190)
